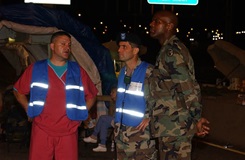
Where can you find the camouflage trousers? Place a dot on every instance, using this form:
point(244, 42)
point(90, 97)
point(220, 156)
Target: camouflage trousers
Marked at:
point(132, 144)
point(175, 148)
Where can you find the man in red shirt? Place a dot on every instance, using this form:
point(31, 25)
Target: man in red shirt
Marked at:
point(61, 93)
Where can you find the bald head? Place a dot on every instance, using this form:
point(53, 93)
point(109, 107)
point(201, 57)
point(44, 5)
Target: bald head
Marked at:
point(163, 25)
point(172, 18)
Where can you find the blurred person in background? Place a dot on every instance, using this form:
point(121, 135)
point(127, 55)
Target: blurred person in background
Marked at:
point(101, 128)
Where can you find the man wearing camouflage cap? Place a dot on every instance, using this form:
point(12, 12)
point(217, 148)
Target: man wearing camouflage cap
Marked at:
point(132, 134)
point(175, 93)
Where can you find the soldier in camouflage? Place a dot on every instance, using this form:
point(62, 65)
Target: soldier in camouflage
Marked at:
point(175, 93)
point(132, 134)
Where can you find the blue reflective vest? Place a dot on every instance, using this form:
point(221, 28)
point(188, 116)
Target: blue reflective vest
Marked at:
point(75, 100)
point(130, 103)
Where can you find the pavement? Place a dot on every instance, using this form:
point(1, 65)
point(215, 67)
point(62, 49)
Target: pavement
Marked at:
point(201, 151)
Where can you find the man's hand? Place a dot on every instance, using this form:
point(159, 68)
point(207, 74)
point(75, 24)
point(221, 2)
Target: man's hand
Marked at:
point(202, 128)
point(143, 124)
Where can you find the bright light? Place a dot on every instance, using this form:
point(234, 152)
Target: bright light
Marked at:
point(11, 40)
point(66, 2)
point(240, 32)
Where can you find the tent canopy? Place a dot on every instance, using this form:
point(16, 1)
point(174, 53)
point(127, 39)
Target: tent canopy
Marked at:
point(32, 25)
point(228, 59)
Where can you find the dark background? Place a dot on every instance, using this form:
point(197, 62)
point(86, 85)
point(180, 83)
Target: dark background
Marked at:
point(224, 16)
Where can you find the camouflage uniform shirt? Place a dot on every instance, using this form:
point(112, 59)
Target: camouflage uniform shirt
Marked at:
point(175, 93)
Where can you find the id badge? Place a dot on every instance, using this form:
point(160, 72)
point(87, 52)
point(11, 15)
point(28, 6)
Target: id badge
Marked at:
point(135, 86)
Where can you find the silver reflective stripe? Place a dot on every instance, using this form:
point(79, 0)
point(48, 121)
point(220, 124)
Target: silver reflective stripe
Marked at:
point(121, 90)
point(37, 84)
point(36, 103)
point(76, 106)
point(130, 112)
point(74, 87)
point(137, 93)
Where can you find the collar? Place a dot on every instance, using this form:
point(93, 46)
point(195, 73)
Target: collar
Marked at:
point(129, 72)
point(168, 40)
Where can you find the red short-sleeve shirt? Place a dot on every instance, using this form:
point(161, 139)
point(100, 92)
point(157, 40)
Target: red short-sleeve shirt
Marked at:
point(53, 119)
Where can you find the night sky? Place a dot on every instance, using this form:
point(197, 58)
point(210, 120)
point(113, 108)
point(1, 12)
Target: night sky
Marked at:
point(224, 15)
point(213, 13)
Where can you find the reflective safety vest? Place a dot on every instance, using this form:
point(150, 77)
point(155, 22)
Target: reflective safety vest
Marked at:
point(130, 103)
point(75, 100)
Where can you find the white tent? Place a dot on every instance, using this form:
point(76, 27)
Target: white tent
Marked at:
point(32, 44)
point(228, 58)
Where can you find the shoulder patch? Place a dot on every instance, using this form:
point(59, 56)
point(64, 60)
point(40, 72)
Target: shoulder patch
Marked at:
point(170, 52)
